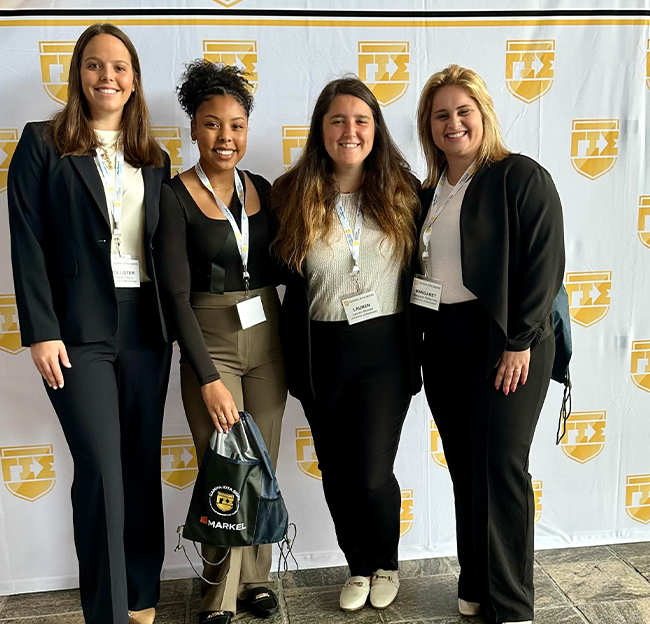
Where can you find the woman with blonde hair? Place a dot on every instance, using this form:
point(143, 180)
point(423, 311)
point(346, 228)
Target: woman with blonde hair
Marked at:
point(346, 218)
point(83, 196)
point(491, 256)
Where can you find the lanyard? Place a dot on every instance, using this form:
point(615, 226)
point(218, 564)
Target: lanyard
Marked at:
point(115, 190)
point(242, 237)
point(462, 183)
point(354, 240)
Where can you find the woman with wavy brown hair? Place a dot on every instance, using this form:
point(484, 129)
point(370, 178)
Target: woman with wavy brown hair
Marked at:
point(491, 250)
point(346, 216)
point(83, 197)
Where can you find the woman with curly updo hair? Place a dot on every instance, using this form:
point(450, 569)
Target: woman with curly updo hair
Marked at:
point(213, 252)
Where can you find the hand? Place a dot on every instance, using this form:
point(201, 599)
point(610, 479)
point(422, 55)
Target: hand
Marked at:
point(46, 356)
point(512, 369)
point(221, 406)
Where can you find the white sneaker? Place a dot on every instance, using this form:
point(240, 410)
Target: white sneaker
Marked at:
point(354, 593)
point(383, 588)
point(468, 608)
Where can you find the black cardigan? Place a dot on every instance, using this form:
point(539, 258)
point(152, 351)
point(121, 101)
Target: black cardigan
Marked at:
point(61, 239)
point(512, 250)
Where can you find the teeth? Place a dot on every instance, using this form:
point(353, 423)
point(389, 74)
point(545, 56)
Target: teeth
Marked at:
point(107, 90)
point(349, 145)
point(455, 135)
point(224, 152)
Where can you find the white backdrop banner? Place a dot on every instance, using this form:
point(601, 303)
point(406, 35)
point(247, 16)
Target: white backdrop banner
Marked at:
point(572, 88)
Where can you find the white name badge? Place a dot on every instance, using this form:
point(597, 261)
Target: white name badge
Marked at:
point(426, 292)
point(361, 307)
point(126, 271)
point(251, 312)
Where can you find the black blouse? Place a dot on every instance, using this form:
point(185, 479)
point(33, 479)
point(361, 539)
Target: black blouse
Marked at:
point(195, 253)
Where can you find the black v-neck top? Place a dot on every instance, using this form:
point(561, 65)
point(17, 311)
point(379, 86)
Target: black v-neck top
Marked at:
point(195, 253)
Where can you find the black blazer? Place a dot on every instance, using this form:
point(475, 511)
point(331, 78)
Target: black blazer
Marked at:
point(512, 250)
point(60, 242)
point(296, 340)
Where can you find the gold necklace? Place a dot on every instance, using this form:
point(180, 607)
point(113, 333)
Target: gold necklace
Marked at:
point(103, 152)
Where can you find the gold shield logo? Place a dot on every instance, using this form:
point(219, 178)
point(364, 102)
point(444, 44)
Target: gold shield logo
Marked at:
point(28, 471)
point(437, 451)
point(178, 461)
point(55, 68)
point(585, 436)
point(383, 66)
point(637, 498)
point(225, 501)
point(9, 329)
point(593, 146)
point(228, 3)
point(8, 143)
point(640, 368)
point(537, 491)
point(293, 140)
point(529, 68)
point(406, 513)
point(240, 53)
point(589, 296)
point(169, 138)
point(306, 454)
point(644, 219)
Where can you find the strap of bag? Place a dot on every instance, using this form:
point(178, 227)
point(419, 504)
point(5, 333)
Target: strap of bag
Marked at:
point(565, 410)
point(287, 543)
point(181, 546)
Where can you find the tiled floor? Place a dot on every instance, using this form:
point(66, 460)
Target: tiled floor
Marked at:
point(598, 585)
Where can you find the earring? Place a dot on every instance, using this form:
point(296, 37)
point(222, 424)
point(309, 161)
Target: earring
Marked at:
point(193, 141)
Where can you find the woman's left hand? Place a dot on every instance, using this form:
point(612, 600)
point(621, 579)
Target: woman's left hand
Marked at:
point(512, 370)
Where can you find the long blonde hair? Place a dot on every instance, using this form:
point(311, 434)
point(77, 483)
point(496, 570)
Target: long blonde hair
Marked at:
point(304, 198)
point(492, 147)
point(71, 128)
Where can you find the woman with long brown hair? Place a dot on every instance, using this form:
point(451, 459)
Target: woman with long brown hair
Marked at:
point(492, 252)
point(347, 216)
point(83, 196)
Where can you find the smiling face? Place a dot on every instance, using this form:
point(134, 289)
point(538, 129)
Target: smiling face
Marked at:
point(456, 124)
point(348, 132)
point(220, 129)
point(106, 79)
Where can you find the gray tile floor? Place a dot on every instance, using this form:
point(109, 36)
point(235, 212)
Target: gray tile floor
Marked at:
point(597, 585)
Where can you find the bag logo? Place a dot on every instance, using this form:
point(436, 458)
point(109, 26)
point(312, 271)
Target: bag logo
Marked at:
point(637, 498)
point(537, 492)
point(28, 471)
point(8, 143)
point(640, 368)
point(169, 139)
point(243, 54)
point(9, 328)
point(224, 500)
point(55, 68)
point(593, 146)
point(529, 68)
point(306, 454)
point(589, 296)
point(383, 66)
point(585, 436)
point(293, 140)
point(178, 459)
point(644, 219)
point(406, 512)
point(437, 452)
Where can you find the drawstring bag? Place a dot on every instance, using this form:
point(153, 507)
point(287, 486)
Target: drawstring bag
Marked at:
point(236, 499)
point(563, 349)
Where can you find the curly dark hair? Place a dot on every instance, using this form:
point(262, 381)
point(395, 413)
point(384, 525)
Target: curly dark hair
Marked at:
point(203, 79)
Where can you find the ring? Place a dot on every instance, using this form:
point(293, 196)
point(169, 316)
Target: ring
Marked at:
point(517, 370)
point(222, 417)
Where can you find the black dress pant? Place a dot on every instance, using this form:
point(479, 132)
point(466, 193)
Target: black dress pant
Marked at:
point(111, 410)
point(362, 396)
point(486, 438)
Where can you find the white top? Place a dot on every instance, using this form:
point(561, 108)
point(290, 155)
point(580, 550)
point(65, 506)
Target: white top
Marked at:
point(329, 265)
point(444, 248)
point(132, 221)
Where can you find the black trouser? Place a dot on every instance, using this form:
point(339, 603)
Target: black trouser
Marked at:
point(111, 410)
point(362, 396)
point(486, 438)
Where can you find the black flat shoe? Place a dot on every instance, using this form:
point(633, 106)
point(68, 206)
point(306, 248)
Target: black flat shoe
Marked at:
point(262, 602)
point(215, 617)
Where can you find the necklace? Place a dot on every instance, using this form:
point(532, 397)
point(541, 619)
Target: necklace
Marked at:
point(103, 152)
